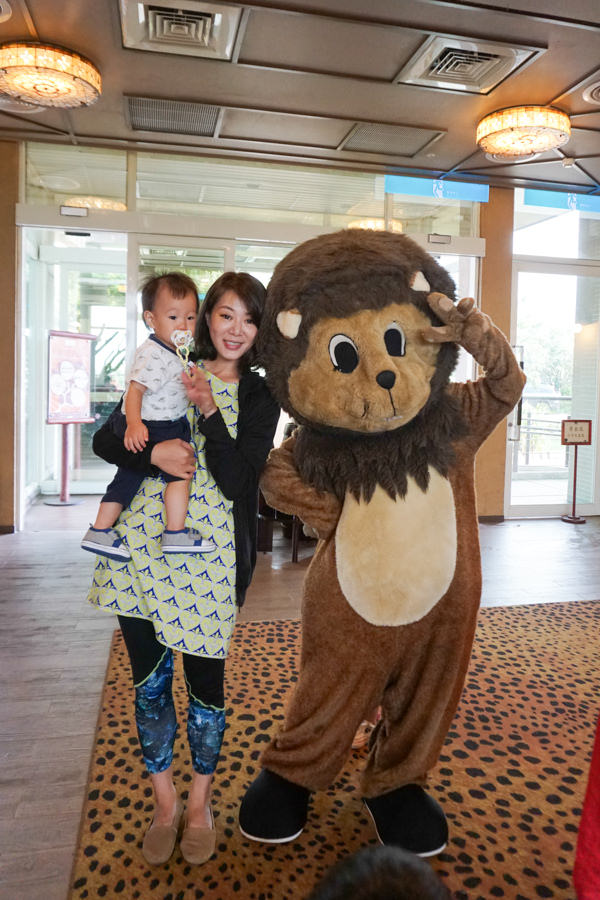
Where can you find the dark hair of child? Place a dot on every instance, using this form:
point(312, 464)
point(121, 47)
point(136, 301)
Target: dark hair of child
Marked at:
point(381, 873)
point(178, 284)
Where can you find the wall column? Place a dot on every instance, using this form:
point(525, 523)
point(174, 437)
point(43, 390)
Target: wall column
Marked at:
point(9, 191)
point(496, 227)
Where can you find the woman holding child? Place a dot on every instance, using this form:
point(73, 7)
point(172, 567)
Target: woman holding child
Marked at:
point(189, 602)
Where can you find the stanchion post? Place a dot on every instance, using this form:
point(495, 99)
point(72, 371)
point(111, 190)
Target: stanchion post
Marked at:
point(573, 433)
point(64, 466)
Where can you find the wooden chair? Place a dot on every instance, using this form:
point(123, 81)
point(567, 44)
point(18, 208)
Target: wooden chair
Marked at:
point(265, 520)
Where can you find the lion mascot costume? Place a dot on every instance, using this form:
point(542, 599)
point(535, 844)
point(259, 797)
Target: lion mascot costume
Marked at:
point(359, 338)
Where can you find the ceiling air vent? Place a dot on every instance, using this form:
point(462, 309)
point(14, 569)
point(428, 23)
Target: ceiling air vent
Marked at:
point(191, 28)
point(455, 64)
point(5, 11)
point(178, 26)
point(398, 140)
point(592, 93)
point(172, 116)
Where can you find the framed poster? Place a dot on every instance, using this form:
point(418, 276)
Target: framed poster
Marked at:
point(576, 431)
point(69, 371)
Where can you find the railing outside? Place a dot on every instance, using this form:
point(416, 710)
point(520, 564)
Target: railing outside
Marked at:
point(539, 448)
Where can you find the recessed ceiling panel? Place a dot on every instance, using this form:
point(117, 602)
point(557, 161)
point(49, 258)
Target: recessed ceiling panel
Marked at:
point(538, 170)
point(583, 142)
point(253, 125)
point(317, 44)
point(397, 140)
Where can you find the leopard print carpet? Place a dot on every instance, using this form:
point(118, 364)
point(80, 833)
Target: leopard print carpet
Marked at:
point(511, 776)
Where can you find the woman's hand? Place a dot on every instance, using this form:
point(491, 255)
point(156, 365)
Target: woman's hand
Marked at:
point(199, 392)
point(175, 457)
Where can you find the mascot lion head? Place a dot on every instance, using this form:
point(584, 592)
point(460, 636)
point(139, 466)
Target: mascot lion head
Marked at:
point(342, 343)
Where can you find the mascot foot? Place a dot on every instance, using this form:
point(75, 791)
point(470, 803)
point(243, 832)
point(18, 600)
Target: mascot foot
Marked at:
point(409, 818)
point(274, 810)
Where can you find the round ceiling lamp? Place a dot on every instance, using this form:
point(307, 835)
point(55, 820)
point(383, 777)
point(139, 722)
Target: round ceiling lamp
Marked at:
point(47, 75)
point(377, 225)
point(522, 131)
point(97, 203)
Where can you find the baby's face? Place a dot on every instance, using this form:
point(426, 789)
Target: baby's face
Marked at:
point(171, 314)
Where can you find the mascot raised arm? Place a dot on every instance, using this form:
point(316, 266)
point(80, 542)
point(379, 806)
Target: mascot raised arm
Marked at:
point(359, 338)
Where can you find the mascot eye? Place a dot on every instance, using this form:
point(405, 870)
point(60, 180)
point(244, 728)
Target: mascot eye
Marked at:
point(343, 353)
point(395, 342)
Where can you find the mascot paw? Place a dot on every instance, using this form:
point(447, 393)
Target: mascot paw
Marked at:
point(409, 818)
point(274, 810)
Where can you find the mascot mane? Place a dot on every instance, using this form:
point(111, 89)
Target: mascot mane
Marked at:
point(346, 461)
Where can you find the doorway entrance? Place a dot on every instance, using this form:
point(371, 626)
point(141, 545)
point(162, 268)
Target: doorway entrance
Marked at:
point(556, 330)
point(73, 281)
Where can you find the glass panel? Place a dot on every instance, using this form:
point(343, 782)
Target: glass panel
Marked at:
point(260, 259)
point(558, 328)
point(202, 264)
point(422, 215)
point(256, 191)
point(73, 283)
point(566, 233)
point(79, 176)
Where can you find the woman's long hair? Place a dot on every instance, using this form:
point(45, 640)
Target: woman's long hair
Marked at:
point(252, 294)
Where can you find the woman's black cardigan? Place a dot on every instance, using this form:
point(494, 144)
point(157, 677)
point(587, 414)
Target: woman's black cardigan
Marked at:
point(235, 464)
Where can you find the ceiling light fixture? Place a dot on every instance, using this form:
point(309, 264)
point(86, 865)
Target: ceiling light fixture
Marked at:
point(97, 203)
point(47, 75)
point(377, 225)
point(522, 131)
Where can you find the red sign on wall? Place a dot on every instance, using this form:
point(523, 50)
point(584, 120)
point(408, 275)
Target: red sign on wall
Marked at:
point(69, 370)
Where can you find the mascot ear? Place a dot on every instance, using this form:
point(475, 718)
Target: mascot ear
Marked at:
point(419, 283)
point(288, 322)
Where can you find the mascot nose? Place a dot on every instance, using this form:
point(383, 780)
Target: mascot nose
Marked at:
point(386, 379)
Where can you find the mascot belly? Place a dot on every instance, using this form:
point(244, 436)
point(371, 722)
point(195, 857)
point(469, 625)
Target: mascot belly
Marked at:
point(394, 578)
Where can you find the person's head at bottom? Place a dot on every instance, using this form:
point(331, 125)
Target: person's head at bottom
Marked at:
point(381, 873)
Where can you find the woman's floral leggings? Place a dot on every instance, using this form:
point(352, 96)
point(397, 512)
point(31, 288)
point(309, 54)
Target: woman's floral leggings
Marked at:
point(152, 668)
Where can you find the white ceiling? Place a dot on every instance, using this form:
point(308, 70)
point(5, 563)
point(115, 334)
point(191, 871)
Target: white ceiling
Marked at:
point(327, 83)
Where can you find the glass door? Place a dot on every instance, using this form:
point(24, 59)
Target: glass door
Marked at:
point(74, 281)
point(557, 334)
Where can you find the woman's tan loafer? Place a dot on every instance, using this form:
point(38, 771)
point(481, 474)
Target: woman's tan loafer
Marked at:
point(159, 840)
point(198, 844)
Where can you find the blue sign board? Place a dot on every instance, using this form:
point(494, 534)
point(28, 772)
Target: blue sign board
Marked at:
point(556, 200)
point(438, 188)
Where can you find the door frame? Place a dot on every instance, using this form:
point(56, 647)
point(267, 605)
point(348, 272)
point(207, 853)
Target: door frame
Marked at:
point(541, 265)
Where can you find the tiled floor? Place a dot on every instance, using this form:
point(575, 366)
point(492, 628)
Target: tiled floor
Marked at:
point(54, 651)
